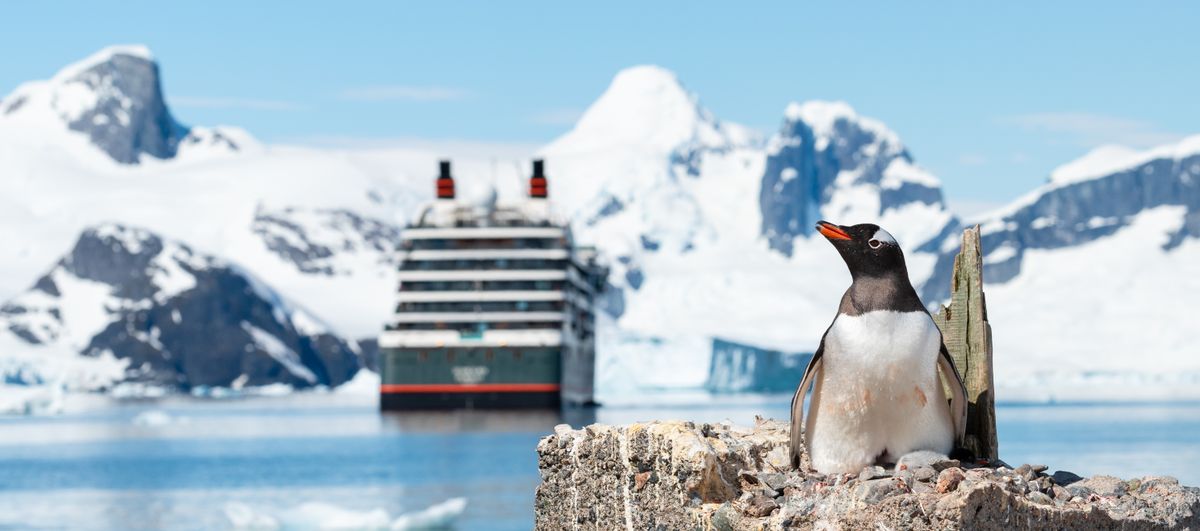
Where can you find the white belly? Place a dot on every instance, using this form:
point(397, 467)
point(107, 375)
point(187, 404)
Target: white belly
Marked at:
point(879, 394)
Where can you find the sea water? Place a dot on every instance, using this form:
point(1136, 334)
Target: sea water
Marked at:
point(308, 460)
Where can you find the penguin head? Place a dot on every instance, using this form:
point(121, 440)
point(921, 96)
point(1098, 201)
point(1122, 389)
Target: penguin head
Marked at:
point(868, 250)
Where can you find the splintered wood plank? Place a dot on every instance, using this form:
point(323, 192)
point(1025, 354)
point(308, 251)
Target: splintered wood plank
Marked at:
point(968, 338)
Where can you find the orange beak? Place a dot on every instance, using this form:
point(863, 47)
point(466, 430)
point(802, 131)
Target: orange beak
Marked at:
point(831, 231)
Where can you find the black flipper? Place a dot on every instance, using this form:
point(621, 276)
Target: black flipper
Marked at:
point(811, 373)
point(958, 391)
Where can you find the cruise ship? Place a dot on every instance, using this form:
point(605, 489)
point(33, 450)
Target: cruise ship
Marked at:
point(494, 308)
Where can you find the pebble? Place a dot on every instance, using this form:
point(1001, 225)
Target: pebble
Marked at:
point(1044, 483)
point(1060, 493)
point(1026, 472)
point(872, 472)
point(774, 480)
point(723, 518)
point(1037, 497)
point(875, 490)
point(949, 479)
point(760, 506)
point(924, 473)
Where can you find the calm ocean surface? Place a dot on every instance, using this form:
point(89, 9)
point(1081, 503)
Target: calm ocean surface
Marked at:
point(191, 464)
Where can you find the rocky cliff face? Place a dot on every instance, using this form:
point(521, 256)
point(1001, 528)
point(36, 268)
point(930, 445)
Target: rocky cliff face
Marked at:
point(829, 162)
point(680, 475)
point(114, 98)
point(326, 241)
point(175, 318)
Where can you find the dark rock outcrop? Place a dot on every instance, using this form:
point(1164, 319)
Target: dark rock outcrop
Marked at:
point(180, 318)
point(312, 239)
point(806, 159)
point(130, 117)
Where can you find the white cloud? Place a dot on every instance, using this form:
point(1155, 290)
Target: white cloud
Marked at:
point(557, 117)
point(195, 102)
point(404, 93)
point(1090, 130)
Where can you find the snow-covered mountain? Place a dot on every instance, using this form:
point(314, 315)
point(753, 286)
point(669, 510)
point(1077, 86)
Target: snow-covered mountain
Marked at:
point(680, 201)
point(112, 99)
point(125, 305)
point(1092, 279)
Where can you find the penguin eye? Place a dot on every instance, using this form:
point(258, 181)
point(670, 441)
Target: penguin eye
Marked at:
point(874, 244)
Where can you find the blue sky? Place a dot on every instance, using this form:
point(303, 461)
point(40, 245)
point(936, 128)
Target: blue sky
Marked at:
point(990, 98)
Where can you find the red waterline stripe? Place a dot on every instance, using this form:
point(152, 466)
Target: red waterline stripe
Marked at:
point(466, 388)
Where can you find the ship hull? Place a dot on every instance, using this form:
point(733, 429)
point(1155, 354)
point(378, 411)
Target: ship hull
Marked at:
point(472, 378)
point(467, 399)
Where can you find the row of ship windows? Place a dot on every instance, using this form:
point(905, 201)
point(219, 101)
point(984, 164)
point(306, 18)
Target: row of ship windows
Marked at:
point(497, 306)
point(482, 285)
point(484, 243)
point(477, 327)
point(501, 263)
point(488, 354)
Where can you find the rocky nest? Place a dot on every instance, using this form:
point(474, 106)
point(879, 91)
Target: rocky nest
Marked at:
point(682, 475)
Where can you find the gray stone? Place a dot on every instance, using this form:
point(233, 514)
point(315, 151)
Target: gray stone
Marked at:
point(923, 473)
point(1038, 497)
point(876, 490)
point(759, 506)
point(1103, 486)
point(724, 518)
point(872, 472)
point(1060, 493)
point(774, 480)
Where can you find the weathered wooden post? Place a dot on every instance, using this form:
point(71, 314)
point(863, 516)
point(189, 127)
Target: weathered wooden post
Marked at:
point(968, 337)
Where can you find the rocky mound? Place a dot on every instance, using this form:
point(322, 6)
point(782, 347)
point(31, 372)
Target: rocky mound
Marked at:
point(681, 475)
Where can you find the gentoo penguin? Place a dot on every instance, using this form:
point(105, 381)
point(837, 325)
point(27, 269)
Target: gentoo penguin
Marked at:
point(877, 394)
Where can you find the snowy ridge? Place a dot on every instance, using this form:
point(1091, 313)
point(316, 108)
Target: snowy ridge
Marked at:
point(102, 56)
point(1110, 159)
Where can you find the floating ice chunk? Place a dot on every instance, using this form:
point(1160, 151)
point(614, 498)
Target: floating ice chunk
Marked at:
point(435, 516)
point(30, 399)
point(243, 517)
point(321, 515)
point(156, 417)
point(364, 382)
